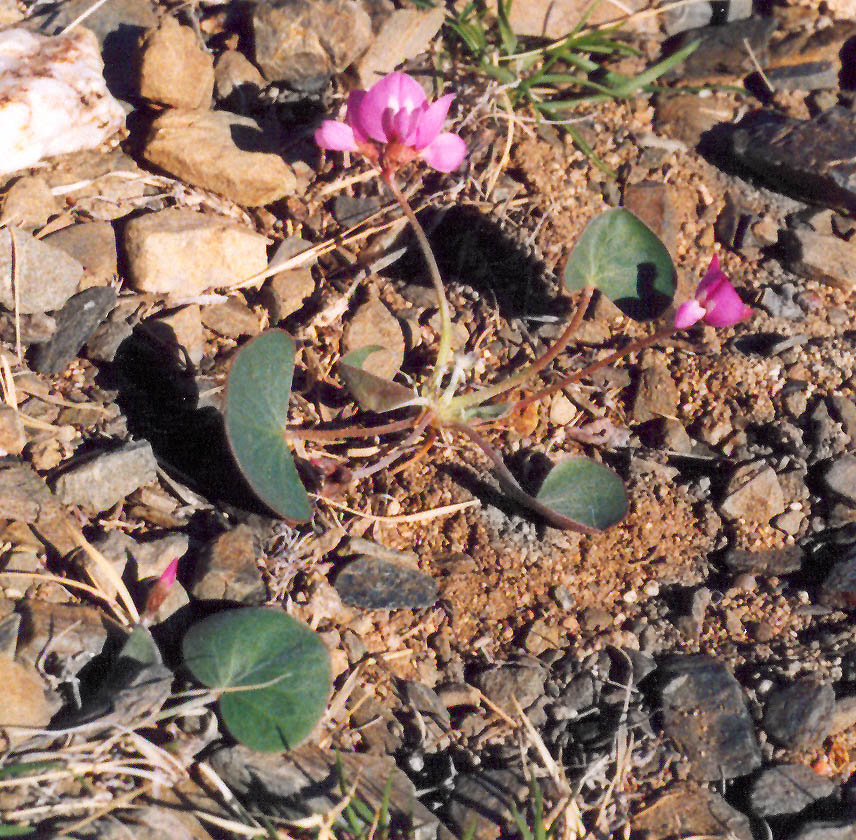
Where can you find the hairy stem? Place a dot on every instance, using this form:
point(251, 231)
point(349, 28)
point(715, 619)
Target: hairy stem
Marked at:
point(595, 366)
point(445, 348)
point(478, 397)
point(353, 431)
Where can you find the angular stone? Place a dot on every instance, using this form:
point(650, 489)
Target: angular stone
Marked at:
point(839, 586)
point(303, 42)
point(809, 59)
point(232, 318)
point(182, 332)
point(93, 245)
point(687, 117)
point(704, 712)
point(227, 569)
point(507, 683)
point(174, 68)
point(825, 258)
point(707, 15)
point(29, 203)
point(25, 698)
point(800, 716)
point(656, 395)
point(688, 811)
point(222, 152)
point(236, 79)
point(753, 494)
point(75, 324)
point(47, 276)
point(840, 478)
point(403, 34)
point(375, 584)
point(813, 160)
point(13, 438)
point(787, 789)
point(374, 325)
point(817, 830)
point(108, 478)
point(554, 19)
point(286, 292)
point(180, 252)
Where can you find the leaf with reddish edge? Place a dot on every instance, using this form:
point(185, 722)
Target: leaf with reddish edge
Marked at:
point(621, 256)
point(257, 395)
point(584, 492)
point(372, 393)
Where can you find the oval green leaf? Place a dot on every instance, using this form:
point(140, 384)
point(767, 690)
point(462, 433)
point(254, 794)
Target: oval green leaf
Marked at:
point(584, 492)
point(257, 395)
point(262, 647)
point(621, 256)
point(372, 393)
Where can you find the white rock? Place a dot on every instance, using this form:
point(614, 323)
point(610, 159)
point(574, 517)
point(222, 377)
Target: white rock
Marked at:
point(53, 99)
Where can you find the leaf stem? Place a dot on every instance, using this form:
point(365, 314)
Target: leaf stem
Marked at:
point(633, 347)
point(352, 431)
point(445, 348)
point(478, 397)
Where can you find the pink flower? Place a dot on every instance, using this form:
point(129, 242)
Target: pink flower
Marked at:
point(392, 123)
point(716, 302)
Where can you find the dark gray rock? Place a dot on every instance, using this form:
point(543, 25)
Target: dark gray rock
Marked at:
point(93, 245)
point(375, 584)
point(843, 409)
point(481, 802)
point(839, 587)
point(826, 437)
point(826, 831)
point(787, 789)
point(349, 210)
point(106, 340)
point(75, 324)
point(780, 303)
point(840, 478)
point(827, 259)
point(800, 716)
point(813, 160)
point(507, 683)
point(704, 713)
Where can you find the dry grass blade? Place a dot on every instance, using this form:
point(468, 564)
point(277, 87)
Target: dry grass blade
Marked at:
point(422, 516)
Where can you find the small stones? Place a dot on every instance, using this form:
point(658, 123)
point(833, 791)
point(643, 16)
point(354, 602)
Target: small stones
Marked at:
point(704, 712)
point(174, 68)
point(787, 789)
point(375, 584)
point(108, 478)
point(303, 42)
point(508, 683)
point(222, 152)
point(753, 494)
point(374, 325)
point(227, 569)
point(800, 716)
point(47, 276)
point(180, 252)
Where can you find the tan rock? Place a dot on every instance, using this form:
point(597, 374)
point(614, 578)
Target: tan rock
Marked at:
point(285, 292)
point(753, 494)
point(184, 253)
point(554, 19)
point(24, 699)
point(373, 324)
point(174, 68)
point(29, 203)
point(233, 71)
point(221, 152)
point(182, 330)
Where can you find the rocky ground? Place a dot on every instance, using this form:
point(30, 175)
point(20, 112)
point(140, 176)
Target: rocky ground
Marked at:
point(689, 672)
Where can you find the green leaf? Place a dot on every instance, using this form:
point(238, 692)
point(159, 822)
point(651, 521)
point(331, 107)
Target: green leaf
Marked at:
point(257, 395)
point(262, 647)
point(372, 393)
point(623, 258)
point(584, 492)
point(16, 830)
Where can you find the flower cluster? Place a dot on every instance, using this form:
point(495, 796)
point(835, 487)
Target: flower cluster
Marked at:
point(392, 123)
point(716, 302)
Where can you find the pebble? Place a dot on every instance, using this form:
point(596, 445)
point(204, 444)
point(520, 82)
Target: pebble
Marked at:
point(93, 245)
point(28, 203)
point(704, 712)
point(108, 478)
point(504, 684)
point(232, 318)
point(800, 715)
point(374, 325)
point(227, 569)
point(26, 701)
point(237, 82)
point(787, 789)
point(481, 802)
point(375, 584)
point(304, 42)
point(753, 493)
point(780, 304)
point(827, 259)
point(13, 438)
point(47, 275)
point(181, 331)
point(286, 292)
point(175, 69)
point(843, 409)
point(222, 152)
point(656, 396)
point(180, 252)
point(840, 478)
point(75, 324)
point(839, 585)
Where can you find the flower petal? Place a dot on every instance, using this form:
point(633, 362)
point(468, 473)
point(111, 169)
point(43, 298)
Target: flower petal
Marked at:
point(384, 99)
point(445, 152)
point(431, 121)
point(689, 313)
point(336, 135)
point(403, 125)
point(712, 277)
point(352, 115)
point(724, 307)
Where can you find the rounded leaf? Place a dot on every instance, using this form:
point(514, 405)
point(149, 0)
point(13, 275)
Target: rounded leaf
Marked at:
point(257, 395)
point(584, 492)
point(262, 647)
point(625, 259)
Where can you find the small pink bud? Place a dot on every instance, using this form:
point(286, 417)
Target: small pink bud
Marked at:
point(159, 591)
point(716, 302)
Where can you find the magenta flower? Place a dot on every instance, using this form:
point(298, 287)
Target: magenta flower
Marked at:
point(716, 302)
point(392, 123)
